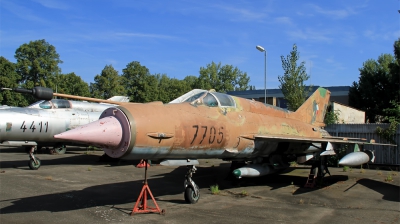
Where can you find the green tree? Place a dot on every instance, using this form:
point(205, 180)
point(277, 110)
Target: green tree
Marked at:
point(377, 86)
point(140, 85)
point(191, 81)
point(393, 117)
point(171, 88)
point(107, 84)
point(74, 85)
point(37, 62)
point(10, 79)
point(292, 81)
point(222, 78)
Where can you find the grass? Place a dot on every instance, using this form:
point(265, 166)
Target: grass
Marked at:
point(389, 178)
point(362, 170)
point(244, 193)
point(346, 168)
point(214, 189)
point(89, 169)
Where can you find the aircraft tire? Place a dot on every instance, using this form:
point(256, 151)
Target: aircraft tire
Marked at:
point(190, 196)
point(33, 165)
point(60, 149)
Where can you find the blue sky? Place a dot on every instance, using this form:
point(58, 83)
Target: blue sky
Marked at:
point(178, 37)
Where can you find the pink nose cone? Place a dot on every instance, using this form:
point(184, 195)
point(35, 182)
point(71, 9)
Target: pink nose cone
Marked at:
point(105, 132)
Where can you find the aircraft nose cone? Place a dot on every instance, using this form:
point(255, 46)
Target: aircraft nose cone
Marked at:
point(105, 132)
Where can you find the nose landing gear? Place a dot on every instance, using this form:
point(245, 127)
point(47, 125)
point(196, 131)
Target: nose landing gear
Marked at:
point(192, 192)
point(34, 162)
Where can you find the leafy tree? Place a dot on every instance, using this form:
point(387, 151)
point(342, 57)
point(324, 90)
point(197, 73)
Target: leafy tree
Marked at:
point(169, 89)
point(394, 119)
point(190, 81)
point(38, 62)
point(378, 84)
point(138, 83)
point(107, 84)
point(331, 117)
point(72, 84)
point(292, 81)
point(10, 79)
point(222, 78)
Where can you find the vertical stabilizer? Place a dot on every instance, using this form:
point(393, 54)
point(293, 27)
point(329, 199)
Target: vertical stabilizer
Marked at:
point(314, 109)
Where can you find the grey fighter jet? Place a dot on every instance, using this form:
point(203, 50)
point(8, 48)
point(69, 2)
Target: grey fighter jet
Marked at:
point(34, 126)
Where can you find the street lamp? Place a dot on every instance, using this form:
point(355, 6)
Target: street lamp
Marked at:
point(265, 71)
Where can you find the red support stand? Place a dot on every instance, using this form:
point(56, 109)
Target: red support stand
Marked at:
point(141, 203)
point(143, 164)
point(310, 181)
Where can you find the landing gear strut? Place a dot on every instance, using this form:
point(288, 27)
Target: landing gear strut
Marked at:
point(315, 176)
point(192, 192)
point(34, 162)
point(59, 149)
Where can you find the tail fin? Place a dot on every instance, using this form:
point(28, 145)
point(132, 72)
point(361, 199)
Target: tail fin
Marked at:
point(314, 109)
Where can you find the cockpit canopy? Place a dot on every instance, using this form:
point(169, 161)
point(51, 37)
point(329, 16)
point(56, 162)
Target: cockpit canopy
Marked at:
point(51, 104)
point(211, 99)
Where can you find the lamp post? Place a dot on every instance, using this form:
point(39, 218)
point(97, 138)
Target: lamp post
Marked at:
point(265, 71)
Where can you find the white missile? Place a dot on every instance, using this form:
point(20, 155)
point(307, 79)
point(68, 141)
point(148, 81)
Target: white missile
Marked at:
point(354, 159)
point(253, 170)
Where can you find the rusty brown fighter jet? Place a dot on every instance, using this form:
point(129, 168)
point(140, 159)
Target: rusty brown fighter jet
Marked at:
point(208, 124)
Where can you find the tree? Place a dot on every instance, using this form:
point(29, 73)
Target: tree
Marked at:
point(377, 86)
point(222, 78)
point(292, 81)
point(138, 82)
point(393, 117)
point(170, 89)
point(191, 81)
point(74, 85)
point(107, 84)
point(38, 62)
point(10, 79)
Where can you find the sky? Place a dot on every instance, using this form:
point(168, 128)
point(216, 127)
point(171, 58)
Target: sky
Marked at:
point(176, 38)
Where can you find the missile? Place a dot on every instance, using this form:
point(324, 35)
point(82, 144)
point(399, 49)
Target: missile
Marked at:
point(354, 159)
point(253, 170)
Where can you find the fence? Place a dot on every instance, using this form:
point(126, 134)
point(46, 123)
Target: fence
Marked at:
point(383, 154)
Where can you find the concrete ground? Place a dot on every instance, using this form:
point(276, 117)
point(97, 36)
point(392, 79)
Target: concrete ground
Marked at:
point(76, 188)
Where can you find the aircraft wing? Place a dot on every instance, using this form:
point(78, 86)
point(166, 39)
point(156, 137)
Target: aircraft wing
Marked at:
point(330, 139)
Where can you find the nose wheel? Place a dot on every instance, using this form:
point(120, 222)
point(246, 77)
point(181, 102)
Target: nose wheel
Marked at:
point(34, 162)
point(192, 192)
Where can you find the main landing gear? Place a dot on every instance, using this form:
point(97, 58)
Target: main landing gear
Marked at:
point(315, 177)
point(59, 149)
point(192, 192)
point(34, 162)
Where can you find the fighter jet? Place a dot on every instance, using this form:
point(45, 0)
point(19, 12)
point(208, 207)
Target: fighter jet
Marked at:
point(207, 124)
point(35, 125)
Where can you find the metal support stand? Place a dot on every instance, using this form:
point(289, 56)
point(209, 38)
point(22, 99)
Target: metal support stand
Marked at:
point(142, 207)
point(317, 175)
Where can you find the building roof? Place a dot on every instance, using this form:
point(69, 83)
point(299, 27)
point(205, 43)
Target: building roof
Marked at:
point(335, 91)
